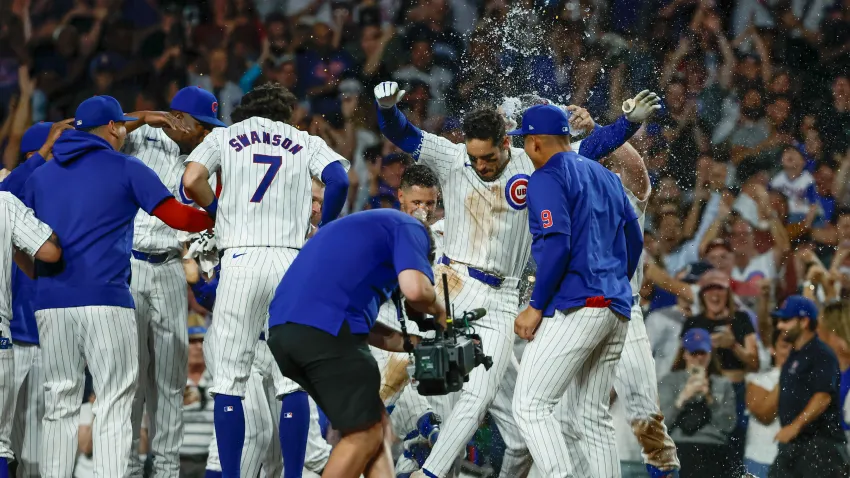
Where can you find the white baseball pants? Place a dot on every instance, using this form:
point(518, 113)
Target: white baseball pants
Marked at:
point(583, 347)
point(29, 409)
point(159, 291)
point(262, 415)
point(636, 385)
point(478, 395)
point(106, 339)
point(249, 277)
point(7, 390)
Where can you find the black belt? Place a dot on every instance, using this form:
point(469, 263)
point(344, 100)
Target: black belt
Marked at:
point(492, 280)
point(152, 258)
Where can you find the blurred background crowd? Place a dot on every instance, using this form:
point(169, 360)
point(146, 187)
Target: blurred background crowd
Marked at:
point(749, 158)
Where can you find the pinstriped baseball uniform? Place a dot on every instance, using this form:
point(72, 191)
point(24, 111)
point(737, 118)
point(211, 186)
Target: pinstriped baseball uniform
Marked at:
point(486, 227)
point(635, 382)
point(262, 414)
point(262, 221)
point(24, 231)
point(159, 291)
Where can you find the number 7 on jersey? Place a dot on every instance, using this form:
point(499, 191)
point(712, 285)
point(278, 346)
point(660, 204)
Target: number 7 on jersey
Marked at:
point(274, 163)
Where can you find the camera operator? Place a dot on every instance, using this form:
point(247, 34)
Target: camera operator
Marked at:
point(323, 316)
point(811, 442)
point(698, 404)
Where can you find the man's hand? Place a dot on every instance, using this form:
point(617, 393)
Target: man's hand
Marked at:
point(788, 433)
point(162, 119)
point(387, 94)
point(55, 131)
point(527, 323)
point(642, 106)
point(580, 119)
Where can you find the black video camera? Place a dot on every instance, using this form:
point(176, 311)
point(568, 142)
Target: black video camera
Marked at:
point(441, 365)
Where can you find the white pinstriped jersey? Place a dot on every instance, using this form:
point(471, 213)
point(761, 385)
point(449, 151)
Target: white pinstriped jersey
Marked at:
point(486, 223)
point(23, 230)
point(154, 148)
point(640, 210)
point(266, 171)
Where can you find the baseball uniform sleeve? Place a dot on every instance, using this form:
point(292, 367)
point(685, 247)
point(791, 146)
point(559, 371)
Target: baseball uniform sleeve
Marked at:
point(144, 185)
point(547, 202)
point(28, 233)
point(134, 141)
point(410, 250)
point(605, 140)
point(208, 153)
point(321, 155)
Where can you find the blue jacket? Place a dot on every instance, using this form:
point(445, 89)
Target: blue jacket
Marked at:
point(90, 194)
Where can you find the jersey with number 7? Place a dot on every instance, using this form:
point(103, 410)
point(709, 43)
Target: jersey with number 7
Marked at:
point(266, 173)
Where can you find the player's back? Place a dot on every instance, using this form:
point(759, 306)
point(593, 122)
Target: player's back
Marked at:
point(596, 204)
point(347, 270)
point(266, 172)
point(90, 195)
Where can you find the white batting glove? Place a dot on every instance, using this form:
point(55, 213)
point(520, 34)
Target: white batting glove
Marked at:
point(202, 243)
point(642, 106)
point(387, 94)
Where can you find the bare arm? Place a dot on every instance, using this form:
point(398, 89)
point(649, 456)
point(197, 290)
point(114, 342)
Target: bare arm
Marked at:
point(759, 404)
point(388, 339)
point(21, 120)
point(748, 353)
point(815, 408)
point(25, 263)
point(634, 175)
point(662, 279)
point(420, 294)
point(727, 68)
point(196, 182)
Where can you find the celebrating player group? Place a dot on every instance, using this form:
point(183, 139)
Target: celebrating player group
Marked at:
point(111, 215)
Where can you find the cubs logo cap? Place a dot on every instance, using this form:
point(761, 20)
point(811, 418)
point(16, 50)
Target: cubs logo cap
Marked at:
point(199, 104)
point(697, 340)
point(35, 137)
point(99, 111)
point(796, 306)
point(543, 119)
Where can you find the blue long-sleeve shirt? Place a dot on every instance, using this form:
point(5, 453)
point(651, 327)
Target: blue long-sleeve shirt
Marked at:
point(601, 142)
point(585, 243)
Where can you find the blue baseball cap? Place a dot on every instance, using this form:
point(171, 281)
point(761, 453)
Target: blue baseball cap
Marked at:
point(697, 340)
point(35, 137)
point(543, 119)
point(796, 306)
point(98, 111)
point(197, 103)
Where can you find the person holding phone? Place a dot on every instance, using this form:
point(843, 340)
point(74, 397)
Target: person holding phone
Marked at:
point(733, 337)
point(698, 404)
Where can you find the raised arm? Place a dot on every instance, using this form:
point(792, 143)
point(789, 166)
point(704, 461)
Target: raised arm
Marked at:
point(606, 139)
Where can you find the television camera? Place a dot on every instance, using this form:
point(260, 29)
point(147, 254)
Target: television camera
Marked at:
point(442, 364)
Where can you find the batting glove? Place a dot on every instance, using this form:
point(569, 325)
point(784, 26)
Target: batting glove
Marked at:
point(387, 94)
point(642, 106)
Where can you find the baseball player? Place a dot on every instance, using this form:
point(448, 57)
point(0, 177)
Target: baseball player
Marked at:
point(90, 194)
point(487, 245)
point(262, 223)
point(23, 236)
point(587, 244)
point(36, 146)
point(635, 381)
point(158, 279)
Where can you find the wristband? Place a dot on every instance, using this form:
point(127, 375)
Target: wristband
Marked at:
point(212, 207)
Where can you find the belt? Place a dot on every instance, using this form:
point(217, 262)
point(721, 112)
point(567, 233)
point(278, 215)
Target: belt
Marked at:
point(492, 280)
point(152, 258)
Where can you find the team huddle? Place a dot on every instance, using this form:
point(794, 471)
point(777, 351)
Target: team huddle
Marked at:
point(306, 317)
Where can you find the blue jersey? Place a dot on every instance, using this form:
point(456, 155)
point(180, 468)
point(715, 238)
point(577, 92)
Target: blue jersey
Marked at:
point(23, 325)
point(90, 194)
point(586, 236)
point(348, 269)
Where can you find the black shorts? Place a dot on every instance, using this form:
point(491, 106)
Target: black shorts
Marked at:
point(339, 372)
